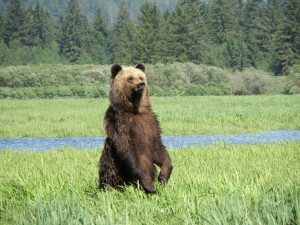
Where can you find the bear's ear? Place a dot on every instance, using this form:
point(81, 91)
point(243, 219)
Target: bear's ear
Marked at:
point(140, 66)
point(115, 69)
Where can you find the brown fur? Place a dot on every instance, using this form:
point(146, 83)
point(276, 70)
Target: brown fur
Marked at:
point(133, 144)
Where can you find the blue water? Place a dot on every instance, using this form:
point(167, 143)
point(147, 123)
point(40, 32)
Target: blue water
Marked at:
point(175, 141)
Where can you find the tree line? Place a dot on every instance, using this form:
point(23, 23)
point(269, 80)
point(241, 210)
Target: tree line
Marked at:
point(225, 33)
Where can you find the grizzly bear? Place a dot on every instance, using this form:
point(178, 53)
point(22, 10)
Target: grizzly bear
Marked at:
point(133, 143)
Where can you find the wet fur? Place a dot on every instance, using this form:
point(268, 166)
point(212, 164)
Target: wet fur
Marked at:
point(133, 144)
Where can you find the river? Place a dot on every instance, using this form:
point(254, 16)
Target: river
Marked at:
point(174, 141)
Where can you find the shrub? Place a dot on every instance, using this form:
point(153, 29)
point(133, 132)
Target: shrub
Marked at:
point(49, 81)
point(5, 92)
point(194, 90)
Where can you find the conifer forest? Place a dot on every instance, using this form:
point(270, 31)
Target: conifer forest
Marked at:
point(231, 34)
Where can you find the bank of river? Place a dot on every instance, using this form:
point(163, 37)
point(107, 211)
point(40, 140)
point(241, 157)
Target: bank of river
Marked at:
point(175, 141)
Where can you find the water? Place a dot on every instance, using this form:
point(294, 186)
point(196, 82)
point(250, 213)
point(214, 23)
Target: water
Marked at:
point(175, 141)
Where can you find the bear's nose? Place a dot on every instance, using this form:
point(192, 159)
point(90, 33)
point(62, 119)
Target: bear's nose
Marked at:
point(141, 85)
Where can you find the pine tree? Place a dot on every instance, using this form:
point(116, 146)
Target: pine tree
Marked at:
point(271, 18)
point(73, 32)
point(288, 39)
point(186, 33)
point(229, 42)
point(149, 35)
point(2, 23)
point(122, 37)
point(39, 26)
point(98, 47)
point(176, 31)
point(59, 32)
point(238, 38)
point(221, 20)
point(14, 27)
point(197, 38)
point(252, 22)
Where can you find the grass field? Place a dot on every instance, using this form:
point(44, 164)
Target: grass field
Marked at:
point(219, 184)
point(177, 115)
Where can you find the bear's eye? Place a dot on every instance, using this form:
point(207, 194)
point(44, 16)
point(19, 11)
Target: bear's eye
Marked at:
point(130, 79)
point(141, 78)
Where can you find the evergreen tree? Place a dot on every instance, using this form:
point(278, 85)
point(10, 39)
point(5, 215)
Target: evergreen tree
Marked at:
point(238, 38)
point(186, 33)
point(197, 38)
point(270, 20)
point(221, 20)
point(122, 37)
point(252, 21)
point(149, 35)
point(288, 38)
point(73, 32)
point(14, 27)
point(59, 32)
point(176, 31)
point(98, 47)
point(2, 23)
point(40, 26)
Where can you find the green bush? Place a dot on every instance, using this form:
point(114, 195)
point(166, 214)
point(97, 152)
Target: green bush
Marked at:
point(5, 92)
point(176, 79)
point(294, 81)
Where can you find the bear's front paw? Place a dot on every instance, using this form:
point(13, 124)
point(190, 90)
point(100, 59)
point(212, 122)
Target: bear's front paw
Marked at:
point(149, 189)
point(162, 180)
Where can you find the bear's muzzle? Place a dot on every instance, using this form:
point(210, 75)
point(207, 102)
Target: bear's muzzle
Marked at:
point(141, 85)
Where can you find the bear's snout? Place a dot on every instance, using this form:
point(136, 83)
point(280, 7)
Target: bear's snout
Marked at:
point(141, 85)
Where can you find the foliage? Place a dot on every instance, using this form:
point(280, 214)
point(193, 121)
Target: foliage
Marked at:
point(221, 20)
point(149, 34)
point(73, 30)
point(46, 80)
point(90, 7)
point(98, 46)
point(219, 184)
point(225, 33)
point(186, 33)
point(288, 38)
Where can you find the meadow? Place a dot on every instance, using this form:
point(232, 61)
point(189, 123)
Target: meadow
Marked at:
point(177, 115)
point(219, 184)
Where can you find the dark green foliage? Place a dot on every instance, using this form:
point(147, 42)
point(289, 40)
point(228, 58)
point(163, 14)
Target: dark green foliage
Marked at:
point(231, 34)
point(110, 8)
point(221, 20)
point(99, 39)
point(149, 46)
point(40, 26)
point(288, 38)
point(186, 33)
point(2, 23)
point(14, 26)
point(253, 15)
point(122, 36)
point(73, 31)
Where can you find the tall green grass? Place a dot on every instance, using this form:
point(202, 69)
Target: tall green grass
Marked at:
point(219, 184)
point(177, 115)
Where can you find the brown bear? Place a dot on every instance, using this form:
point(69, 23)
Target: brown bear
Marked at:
point(133, 144)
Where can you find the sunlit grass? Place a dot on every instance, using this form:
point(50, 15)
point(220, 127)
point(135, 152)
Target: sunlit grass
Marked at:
point(177, 115)
point(219, 184)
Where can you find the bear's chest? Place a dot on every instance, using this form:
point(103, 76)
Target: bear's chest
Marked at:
point(142, 125)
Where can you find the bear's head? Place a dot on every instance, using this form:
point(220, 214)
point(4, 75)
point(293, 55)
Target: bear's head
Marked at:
point(129, 88)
